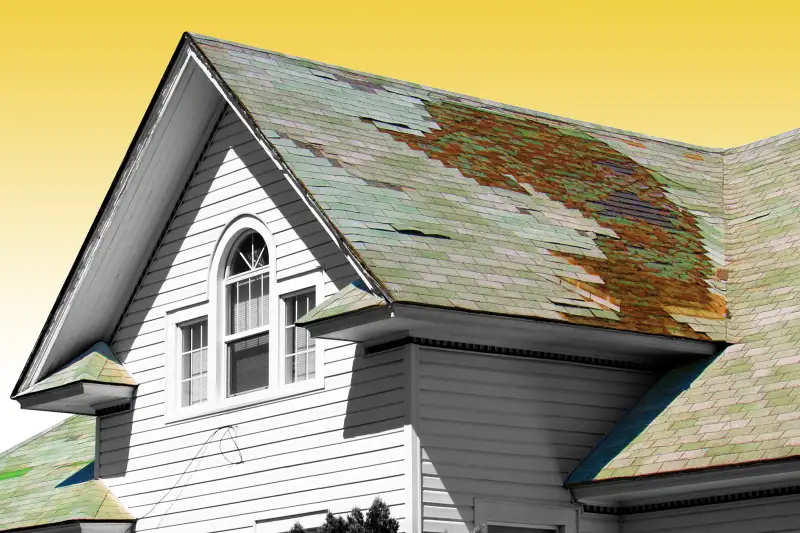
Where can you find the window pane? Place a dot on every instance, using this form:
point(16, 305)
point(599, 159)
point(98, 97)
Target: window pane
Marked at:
point(250, 253)
point(298, 344)
point(194, 363)
point(186, 393)
point(248, 304)
point(186, 339)
point(248, 364)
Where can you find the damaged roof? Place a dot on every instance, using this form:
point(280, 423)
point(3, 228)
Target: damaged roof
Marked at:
point(98, 364)
point(48, 480)
point(458, 202)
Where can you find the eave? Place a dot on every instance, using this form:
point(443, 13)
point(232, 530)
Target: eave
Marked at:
point(379, 324)
point(83, 397)
point(626, 493)
point(80, 526)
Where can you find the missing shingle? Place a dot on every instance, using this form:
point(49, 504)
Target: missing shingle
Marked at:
point(392, 126)
point(412, 231)
point(419, 233)
point(323, 74)
point(383, 185)
point(627, 205)
point(616, 167)
point(526, 211)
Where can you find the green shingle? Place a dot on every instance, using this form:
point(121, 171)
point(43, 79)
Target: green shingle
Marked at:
point(97, 364)
point(48, 479)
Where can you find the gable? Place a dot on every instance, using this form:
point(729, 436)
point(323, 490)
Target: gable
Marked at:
point(233, 177)
point(128, 223)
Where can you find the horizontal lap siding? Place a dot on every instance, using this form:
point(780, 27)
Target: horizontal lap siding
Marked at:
point(329, 449)
point(510, 429)
point(767, 515)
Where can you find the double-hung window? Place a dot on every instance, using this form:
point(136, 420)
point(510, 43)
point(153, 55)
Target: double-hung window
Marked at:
point(246, 339)
point(298, 345)
point(194, 362)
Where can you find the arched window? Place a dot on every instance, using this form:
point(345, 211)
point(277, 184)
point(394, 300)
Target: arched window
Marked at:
point(246, 337)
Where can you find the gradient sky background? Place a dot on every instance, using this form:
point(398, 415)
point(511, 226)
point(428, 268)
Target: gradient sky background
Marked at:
point(77, 78)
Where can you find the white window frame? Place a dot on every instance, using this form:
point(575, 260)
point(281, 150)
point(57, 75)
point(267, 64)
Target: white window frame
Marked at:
point(213, 304)
point(561, 519)
point(174, 319)
point(284, 324)
point(282, 524)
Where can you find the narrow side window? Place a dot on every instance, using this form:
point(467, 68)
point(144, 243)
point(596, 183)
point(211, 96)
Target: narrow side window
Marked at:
point(194, 362)
point(299, 345)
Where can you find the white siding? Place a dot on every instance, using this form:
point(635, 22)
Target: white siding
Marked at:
point(330, 449)
point(510, 429)
point(767, 515)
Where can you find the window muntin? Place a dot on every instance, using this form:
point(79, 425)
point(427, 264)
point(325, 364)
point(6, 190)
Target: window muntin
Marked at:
point(247, 315)
point(249, 254)
point(299, 346)
point(194, 362)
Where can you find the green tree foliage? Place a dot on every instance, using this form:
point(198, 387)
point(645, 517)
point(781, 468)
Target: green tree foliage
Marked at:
point(378, 520)
point(333, 524)
point(355, 521)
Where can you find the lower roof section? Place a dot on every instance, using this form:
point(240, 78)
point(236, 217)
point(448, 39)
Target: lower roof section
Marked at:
point(47, 484)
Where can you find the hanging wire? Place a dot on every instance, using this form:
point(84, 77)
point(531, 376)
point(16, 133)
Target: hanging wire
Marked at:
point(230, 432)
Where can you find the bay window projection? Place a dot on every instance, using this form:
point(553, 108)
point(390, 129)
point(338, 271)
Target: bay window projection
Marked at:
point(247, 336)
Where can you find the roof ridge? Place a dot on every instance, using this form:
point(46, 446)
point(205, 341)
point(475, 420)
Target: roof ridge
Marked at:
point(502, 105)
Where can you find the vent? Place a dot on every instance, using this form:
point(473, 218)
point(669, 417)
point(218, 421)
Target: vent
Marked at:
point(113, 409)
point(500, 350)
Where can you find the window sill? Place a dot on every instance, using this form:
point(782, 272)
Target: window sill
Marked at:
point(257, 398)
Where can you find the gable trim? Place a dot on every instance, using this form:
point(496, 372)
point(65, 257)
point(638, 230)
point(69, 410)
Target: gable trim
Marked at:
point(158, 104)
point(241, 111)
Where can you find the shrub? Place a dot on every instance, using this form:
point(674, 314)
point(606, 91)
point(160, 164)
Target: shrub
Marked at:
point(378, 520)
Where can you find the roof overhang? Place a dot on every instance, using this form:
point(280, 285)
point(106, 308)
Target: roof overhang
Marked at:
point(81, 526)
point(126, 229)
point(376, 325)
point(688, 485)
point(81, 398)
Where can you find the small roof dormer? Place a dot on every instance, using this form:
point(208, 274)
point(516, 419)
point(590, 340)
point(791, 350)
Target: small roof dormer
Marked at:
point(93, 383)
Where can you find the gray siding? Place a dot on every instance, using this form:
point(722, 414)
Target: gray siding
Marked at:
point(509, 429)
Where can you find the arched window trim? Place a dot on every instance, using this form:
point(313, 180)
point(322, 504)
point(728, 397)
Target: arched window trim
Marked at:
point(217, 285)
point(211, 306)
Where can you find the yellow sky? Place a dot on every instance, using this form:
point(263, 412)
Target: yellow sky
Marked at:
point(77, 77)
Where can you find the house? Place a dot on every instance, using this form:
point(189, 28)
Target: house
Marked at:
point(309, 286)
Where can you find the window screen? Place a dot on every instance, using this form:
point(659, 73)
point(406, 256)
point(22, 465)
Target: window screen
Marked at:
point(194, 363)
point(248, 302)
point(299, 346)
point(248, 364)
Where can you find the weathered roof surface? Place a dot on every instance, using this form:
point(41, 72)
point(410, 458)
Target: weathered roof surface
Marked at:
point(97, 364)
point(354, 297)
point(48, 480)
point(457, 202)
point(745, 406)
